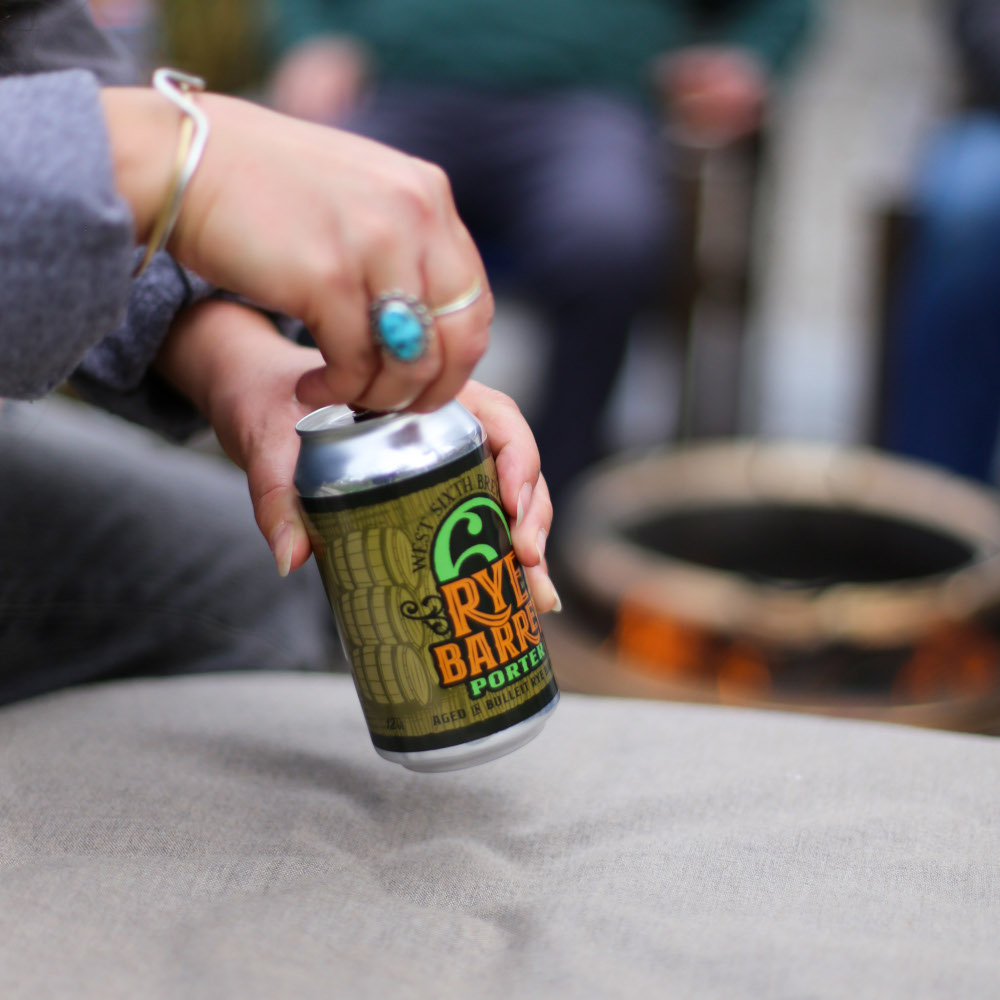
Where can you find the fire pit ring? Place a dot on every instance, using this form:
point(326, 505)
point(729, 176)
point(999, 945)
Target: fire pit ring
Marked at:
point(767, 563)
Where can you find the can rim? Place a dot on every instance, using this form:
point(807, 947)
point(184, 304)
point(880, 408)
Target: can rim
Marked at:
point(339, 419)
point(373, 449)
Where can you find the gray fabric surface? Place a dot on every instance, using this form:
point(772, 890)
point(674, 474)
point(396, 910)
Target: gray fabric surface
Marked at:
point(237, 836)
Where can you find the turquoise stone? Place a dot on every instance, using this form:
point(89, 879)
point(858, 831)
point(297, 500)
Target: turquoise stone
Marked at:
point(400, 331)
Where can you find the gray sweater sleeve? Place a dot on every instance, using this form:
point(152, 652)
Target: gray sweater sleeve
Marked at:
point(66, 240)
point(115, 373)
point(120, 323)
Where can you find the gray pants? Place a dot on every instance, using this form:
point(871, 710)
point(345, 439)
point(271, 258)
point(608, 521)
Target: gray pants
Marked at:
point(121, 555)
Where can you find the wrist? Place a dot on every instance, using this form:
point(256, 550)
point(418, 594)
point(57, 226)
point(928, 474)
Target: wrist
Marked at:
point(197, 353)
point(143, 131)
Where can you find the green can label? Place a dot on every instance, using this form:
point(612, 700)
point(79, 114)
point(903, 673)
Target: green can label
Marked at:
point(433, 606)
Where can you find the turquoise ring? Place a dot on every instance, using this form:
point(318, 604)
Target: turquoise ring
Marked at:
point(400, 325)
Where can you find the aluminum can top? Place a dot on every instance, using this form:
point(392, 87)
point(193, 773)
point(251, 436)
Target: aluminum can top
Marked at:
point(344, 452)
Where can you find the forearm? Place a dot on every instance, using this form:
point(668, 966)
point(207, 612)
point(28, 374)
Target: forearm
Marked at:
point(209, 343)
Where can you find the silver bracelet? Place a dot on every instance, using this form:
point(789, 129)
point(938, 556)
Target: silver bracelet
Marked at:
point(176, 87)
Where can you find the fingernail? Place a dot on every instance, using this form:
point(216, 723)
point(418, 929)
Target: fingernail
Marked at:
point(540, 539)
point(282, 543)
point(523, 499)
point(557, 606)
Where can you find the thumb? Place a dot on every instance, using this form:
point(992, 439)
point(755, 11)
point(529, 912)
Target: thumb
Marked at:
point(276, 509)
point(313, 390)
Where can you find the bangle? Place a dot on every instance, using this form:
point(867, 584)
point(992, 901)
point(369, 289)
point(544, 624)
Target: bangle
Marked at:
point(176, 87)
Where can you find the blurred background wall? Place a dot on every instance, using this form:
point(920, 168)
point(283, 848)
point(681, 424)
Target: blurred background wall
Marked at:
point(844, 145)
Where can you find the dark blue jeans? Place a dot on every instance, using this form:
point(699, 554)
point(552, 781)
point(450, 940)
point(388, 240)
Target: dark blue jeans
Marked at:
point(123, 556)
point(564, 194)
point(944, 375)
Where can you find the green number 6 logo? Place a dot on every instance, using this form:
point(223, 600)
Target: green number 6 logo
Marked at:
point(470, 513)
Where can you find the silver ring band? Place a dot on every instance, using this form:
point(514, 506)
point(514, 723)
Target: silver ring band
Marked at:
point(462, 302)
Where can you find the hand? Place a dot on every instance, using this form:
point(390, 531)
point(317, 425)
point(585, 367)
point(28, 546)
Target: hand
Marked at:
point(242, 375)
point(523, 491)
point(315, 223)
point(715, 94)
point(320, 80)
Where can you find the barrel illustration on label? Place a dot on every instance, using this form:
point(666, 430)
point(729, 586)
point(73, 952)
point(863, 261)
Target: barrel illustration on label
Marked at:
point(434, 610)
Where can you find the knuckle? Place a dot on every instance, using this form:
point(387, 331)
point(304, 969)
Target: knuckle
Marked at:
point(494, 398)
point(326, 268)
point(542, 489)
point(359, 366)
point(381, 234)
point(268, 502)
point(424, 188)
point(384, 394)
point(488, 307)
point(267, 495)
point(433, 180)
point(547, 509)
point(407, 384)
point(347, 376)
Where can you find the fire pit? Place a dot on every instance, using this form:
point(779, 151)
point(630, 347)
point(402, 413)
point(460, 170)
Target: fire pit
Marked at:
point(798, 576)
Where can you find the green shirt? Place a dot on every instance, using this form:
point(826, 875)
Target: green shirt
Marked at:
point(531, 44)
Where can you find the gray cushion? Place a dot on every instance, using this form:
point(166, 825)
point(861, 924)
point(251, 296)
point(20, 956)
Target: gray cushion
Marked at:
point(237, 836)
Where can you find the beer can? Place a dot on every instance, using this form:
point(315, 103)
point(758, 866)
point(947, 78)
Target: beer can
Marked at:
point(433, 608)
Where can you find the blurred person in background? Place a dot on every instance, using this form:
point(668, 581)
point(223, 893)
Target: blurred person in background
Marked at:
point(133, 24)
point(546, 117)
point(943, 379)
